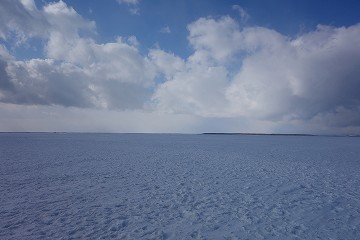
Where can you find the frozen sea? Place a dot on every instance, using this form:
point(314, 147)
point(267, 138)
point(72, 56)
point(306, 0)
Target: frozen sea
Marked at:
point(171, 186)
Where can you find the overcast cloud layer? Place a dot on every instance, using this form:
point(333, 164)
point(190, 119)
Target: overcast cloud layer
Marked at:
point(307, 83)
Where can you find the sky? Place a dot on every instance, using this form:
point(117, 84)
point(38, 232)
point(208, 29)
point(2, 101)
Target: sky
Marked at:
point(270, 66)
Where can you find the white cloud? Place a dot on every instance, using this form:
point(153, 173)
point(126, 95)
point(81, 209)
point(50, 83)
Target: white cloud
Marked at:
point(42, 118)
point(165, 29)
point(197, 89)
point(166, 63)
point(40, 81)
point(4, 54)
point(132, 2)
point(243, 14)
point(65, 19)
point(265, 75)
point(133, 5)
point(253, 75)
point(77, 71)
point(64, 41)
point(110, 83)
point(29, 5)
point(19, 21)
point(217, 40)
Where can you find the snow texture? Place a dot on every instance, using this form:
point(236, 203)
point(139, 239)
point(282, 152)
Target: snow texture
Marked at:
point(163, 186)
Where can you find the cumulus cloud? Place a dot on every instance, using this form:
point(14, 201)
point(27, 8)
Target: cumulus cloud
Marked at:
point(262, 74)
point(212, 39)
point(253, 75)
point(20, 20)
point(76, 71)
point(40, 81)
point(300, 78)
point(115, 84)
point(166, 63)
point(198, 89)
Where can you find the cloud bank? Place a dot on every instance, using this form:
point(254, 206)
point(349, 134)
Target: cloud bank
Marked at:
point(76, 71)
point(255, 72)
point(309, 82)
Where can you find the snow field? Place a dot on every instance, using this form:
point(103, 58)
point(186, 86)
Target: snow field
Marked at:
point(149, 186)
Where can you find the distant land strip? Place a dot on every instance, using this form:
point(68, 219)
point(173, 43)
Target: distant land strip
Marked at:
point(265, 134)
point(280, 134)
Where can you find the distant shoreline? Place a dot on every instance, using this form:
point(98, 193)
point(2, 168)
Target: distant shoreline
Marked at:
point(279, 134)
point(261, 134)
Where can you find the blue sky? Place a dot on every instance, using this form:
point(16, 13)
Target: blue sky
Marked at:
point(180, 66)
point(287, 17)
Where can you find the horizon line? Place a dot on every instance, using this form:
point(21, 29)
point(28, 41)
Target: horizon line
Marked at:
point(185, 133)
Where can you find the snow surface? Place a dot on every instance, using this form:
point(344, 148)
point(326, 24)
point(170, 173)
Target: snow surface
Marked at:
point(154, 186)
